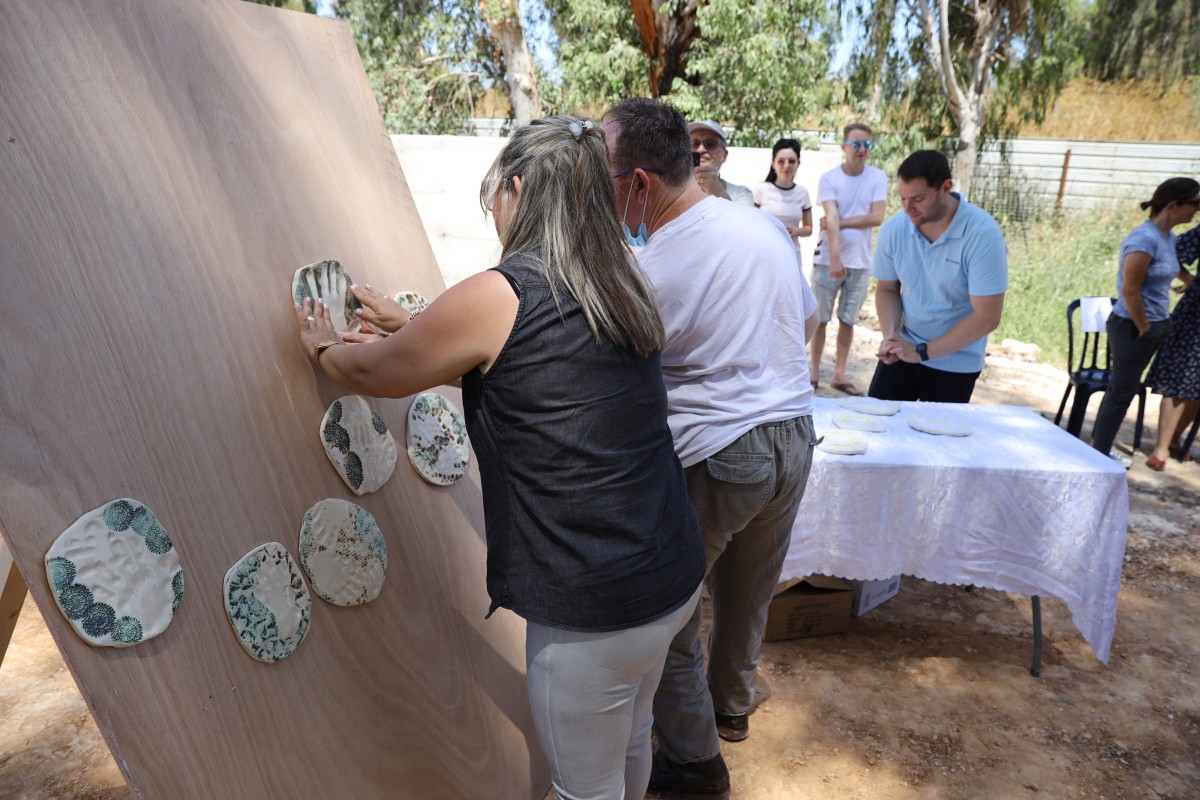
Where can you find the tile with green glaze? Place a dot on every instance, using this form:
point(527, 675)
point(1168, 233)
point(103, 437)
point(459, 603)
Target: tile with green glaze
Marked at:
point(437, 439)
point(267, 603)
point(343, 552)
point(411, 302)
point(358, 443)
point(115, 575)
point(328, 281)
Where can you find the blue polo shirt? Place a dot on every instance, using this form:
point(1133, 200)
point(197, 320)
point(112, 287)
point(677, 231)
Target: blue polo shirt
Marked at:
point(937, 279)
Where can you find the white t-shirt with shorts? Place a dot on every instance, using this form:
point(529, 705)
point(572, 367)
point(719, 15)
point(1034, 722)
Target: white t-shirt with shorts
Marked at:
point(854, 195)
point(733, 302)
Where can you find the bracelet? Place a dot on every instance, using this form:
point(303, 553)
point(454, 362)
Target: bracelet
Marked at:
point(321, 348)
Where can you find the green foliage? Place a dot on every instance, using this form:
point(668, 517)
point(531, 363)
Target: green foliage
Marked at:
point(599, 55)
point(429, 61)
point(1143, 39)
point(307, 6)
point(759, 65)
point(1053, 261)
point(1036, 50)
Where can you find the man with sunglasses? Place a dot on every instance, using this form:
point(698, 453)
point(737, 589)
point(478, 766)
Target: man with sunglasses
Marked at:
point(708, 141)
point(853, 197)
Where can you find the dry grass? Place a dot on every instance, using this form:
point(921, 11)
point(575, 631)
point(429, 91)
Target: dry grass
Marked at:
point(1123, 112)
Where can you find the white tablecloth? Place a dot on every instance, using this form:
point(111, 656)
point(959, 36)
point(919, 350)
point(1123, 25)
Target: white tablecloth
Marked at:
point(1020, 506)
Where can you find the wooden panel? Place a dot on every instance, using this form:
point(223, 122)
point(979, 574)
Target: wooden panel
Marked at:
point(12, 597)
point(167, 165)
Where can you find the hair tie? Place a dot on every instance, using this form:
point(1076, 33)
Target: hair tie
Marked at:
point(1146, 204)
point(577, 127)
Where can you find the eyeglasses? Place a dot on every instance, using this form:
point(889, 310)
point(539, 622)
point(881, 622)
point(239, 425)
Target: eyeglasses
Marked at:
point(643, 169)
point(869, 144)
point(708, 144)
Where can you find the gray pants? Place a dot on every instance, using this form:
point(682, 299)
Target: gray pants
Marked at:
point(746, 497)
point(1131, 355)
point(591, 695)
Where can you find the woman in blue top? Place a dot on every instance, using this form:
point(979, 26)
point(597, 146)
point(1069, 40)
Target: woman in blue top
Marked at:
point(591, 537)
point(1141, 318)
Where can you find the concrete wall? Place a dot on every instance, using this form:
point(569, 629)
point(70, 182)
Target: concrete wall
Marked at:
point(443, 173)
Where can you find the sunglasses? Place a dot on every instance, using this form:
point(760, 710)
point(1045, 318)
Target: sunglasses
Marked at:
point(860, 145)
point(709, 144)
point(643, 169)
point(1192, 202)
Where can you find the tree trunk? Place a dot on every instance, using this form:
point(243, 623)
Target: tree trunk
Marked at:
point(665, 40)
point(503, 18)
point(964, 158)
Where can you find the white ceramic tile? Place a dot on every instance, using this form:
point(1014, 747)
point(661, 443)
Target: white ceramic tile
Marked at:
point(358, 443)
point(437, 439)
point(328, 281)
point(267, 602)
point(343, 552)
point(115, 575)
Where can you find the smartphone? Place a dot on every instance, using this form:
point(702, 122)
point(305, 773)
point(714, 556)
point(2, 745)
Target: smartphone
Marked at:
point(695, 159)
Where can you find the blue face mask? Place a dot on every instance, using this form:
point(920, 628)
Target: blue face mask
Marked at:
point(642, 236)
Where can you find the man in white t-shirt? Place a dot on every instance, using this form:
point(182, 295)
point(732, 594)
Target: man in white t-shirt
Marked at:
point(737, 314)
point(708, 140)
point(853, 196)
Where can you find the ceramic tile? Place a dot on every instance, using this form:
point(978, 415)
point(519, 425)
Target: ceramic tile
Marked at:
point(116, 575)
point(343, 552)
point(358, 444)
point(267, 602)
point(328, 281)
point(411, 302)
point(437, 439)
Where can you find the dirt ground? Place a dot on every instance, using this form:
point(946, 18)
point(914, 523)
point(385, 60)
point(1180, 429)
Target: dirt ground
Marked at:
point(928, 696)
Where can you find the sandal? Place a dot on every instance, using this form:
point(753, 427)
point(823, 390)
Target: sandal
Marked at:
point(1155, 463)
point(1175, 450)
point(848, 388)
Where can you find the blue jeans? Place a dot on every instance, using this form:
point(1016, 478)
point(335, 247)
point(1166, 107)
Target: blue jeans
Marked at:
point(591, 696)
point(746, 497)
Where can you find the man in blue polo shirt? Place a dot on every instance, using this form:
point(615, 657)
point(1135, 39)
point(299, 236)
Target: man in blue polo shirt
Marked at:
point(941, 274)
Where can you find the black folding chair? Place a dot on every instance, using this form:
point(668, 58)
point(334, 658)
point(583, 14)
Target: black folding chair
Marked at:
point(1088, 377)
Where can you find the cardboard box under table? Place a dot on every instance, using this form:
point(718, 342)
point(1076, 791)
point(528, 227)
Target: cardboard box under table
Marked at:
point(815, 606)
point(1020, 505)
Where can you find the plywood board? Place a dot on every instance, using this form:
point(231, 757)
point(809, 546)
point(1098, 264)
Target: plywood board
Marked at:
point(166, 166)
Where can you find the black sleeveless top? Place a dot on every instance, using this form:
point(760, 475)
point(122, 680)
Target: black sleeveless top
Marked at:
point(589, 526)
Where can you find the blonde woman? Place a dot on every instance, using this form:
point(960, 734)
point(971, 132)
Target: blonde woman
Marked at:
point(591, 538)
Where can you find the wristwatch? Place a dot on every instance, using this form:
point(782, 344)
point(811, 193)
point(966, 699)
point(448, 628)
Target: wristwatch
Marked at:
point(923, 351)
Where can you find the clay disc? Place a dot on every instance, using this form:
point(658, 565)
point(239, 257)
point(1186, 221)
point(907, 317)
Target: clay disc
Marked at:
point(267, 603)
point(858, 422)
point(939, 424)
point(842, 442)
point(358, 444)
point(871, 405)
point(343, 552)
point(328, 281)
point(437, 439)
point(115, 575)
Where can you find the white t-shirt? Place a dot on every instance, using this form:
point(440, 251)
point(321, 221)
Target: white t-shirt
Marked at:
point(854, 195)
point(786, 205)
point(733, 302)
